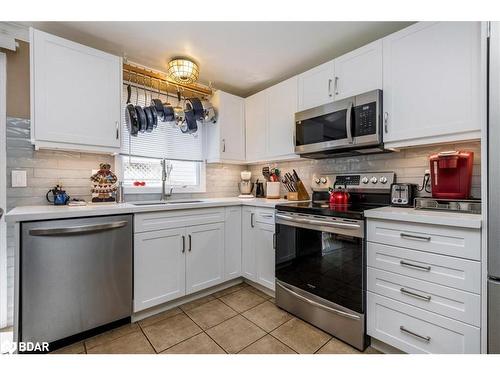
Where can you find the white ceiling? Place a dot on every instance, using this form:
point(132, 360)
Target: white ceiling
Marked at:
point(239, 57)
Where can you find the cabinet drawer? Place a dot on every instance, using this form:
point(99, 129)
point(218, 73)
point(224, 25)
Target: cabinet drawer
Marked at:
point(175, 219)
point(457, 242)
point(452, 303)
point(414, 330)
point(448, 271)
point(264, 216)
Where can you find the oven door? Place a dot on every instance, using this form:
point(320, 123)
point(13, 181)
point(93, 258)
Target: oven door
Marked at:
point(322, 256)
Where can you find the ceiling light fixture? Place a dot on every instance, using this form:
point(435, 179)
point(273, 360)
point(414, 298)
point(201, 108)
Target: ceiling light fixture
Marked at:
point(183, 70)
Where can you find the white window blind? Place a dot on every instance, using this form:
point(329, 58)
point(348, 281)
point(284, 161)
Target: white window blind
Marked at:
point(166, 141)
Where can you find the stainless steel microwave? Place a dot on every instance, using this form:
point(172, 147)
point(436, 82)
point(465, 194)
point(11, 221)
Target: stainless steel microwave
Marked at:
point(345, 127)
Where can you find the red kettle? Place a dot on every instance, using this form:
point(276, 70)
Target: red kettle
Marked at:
point(338, 196)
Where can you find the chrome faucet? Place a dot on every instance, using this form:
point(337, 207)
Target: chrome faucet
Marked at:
point(165, 173)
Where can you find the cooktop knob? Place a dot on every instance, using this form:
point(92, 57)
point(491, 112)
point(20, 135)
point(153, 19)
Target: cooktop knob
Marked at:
point(373, 180)
point(364, 180)
point(316, 180)
point(383, 180)
point(323, 180)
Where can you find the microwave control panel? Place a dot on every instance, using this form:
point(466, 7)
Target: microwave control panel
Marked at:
point(365, 119)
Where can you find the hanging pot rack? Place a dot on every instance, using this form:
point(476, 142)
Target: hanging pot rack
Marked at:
point(151, 81)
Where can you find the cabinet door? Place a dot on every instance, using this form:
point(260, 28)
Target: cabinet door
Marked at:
point(159, 267)
point(232, 119)
point(232, 229)
point(358, 71)
point(316, 86)
point(248, 259)
point(432, 82)
point(76, 94)
point(282, 107)
point(256, 124)
point(265, 256)
point(204, 256)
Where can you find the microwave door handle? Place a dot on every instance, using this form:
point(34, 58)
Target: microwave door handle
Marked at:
point(348, 123)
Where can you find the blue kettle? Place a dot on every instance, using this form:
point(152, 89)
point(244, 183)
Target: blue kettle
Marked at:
point(60, 197)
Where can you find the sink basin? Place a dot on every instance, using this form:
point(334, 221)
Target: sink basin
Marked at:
point(156, 203)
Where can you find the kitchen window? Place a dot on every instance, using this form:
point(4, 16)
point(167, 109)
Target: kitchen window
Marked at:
point(140, 156)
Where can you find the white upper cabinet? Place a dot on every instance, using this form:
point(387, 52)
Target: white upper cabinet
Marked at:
point(316, 86)
point(282, 105)
point(226, 138)
point(75, 95)
point(358, 71)
point(432, 83)
point(256, 120)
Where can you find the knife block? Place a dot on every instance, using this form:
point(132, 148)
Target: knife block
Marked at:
point(300, 195)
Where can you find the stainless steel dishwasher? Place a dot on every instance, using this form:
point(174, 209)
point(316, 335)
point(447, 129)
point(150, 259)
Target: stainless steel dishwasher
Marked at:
point(76, 275)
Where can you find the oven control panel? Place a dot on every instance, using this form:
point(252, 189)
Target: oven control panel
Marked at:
point(354, 181)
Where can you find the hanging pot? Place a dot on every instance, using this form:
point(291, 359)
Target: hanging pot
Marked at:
point(131, 115)
point(197, 107)
point(209, 113)
point(191, 125)
point(141, 116)
point(149, 114)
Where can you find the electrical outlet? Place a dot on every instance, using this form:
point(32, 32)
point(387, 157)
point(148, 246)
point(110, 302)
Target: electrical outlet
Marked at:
point(19, 178)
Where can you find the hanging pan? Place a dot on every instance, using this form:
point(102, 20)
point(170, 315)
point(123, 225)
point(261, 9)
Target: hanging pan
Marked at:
point(141, 116)
point(131, 115)
point(148, 112)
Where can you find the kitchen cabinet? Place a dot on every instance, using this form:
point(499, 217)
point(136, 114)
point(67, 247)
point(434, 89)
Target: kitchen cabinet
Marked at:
point(232, 245)
point(432, 83)
point(226, 138)
point(204, 256)
point(256, 122)
point(315, 87)
point(358, 71)
point(258, 257)
point(75, 95)
point(159, 267)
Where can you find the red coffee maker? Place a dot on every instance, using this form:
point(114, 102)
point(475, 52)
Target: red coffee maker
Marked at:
point(451, 174)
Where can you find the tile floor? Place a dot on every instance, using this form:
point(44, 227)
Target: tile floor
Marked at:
point(239, 319)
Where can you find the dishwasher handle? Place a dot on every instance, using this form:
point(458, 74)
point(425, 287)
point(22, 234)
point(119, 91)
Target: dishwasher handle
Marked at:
point(80, 229)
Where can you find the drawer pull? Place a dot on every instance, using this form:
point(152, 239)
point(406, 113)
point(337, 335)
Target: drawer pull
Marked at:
point(267, 216)
point(415, 295)
point(416, 335)
point(416, 266)
point(414, 237)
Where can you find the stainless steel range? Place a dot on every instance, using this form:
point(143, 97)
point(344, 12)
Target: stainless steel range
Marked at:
point(321, 254)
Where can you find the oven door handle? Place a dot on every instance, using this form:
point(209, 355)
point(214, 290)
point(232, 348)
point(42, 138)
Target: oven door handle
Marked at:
point(321, 306)
point(319, 222)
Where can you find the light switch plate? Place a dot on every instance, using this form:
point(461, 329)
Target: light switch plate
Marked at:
point(19, 178)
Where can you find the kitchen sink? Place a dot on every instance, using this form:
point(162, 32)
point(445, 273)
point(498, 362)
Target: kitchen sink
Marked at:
point(156, 203)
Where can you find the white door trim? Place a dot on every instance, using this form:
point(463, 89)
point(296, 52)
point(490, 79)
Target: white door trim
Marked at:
point(3, 191)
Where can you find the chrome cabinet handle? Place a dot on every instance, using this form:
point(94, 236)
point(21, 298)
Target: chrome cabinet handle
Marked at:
point(416, 266)
point(223, 145)
point(336, 86)
point(414, 237)
point(415, 295)
point(321, 306)
point(189, 242)
point(183, 244)
point(77, 229)
point(251, 220)
point(117, 129)
point(330, 88)
point(416, 335)
point(268, 216)
point(386, 117)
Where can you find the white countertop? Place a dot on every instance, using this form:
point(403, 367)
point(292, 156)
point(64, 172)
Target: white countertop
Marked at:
point(46, 212)
point(412, 215)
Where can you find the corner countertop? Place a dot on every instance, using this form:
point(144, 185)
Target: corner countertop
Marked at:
point(47, 212)
point(412, 215)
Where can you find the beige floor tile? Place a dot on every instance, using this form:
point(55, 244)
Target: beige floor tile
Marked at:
point(242, 300)
point(267, 316)
point(111, 335)
point(229, 290)
point(235, 334)
point(133, 343)
point(371, 350)
point(197, 302)
point(301, 336)
point(171, 331)
point(335, 346)
point(211, 313)
point(267, 345)
point(76, 348)
point(199, 344)
point(258, 292)
point(156, 318)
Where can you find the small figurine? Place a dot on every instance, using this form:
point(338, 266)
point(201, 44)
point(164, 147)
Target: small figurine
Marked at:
point(103, 184)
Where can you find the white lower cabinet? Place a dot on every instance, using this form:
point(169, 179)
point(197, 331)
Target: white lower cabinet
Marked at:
point(264, 254)
point(159, 272)
point(232, 243)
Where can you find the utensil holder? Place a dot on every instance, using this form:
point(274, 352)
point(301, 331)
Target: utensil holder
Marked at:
point(273, 190)
point(300, 195)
